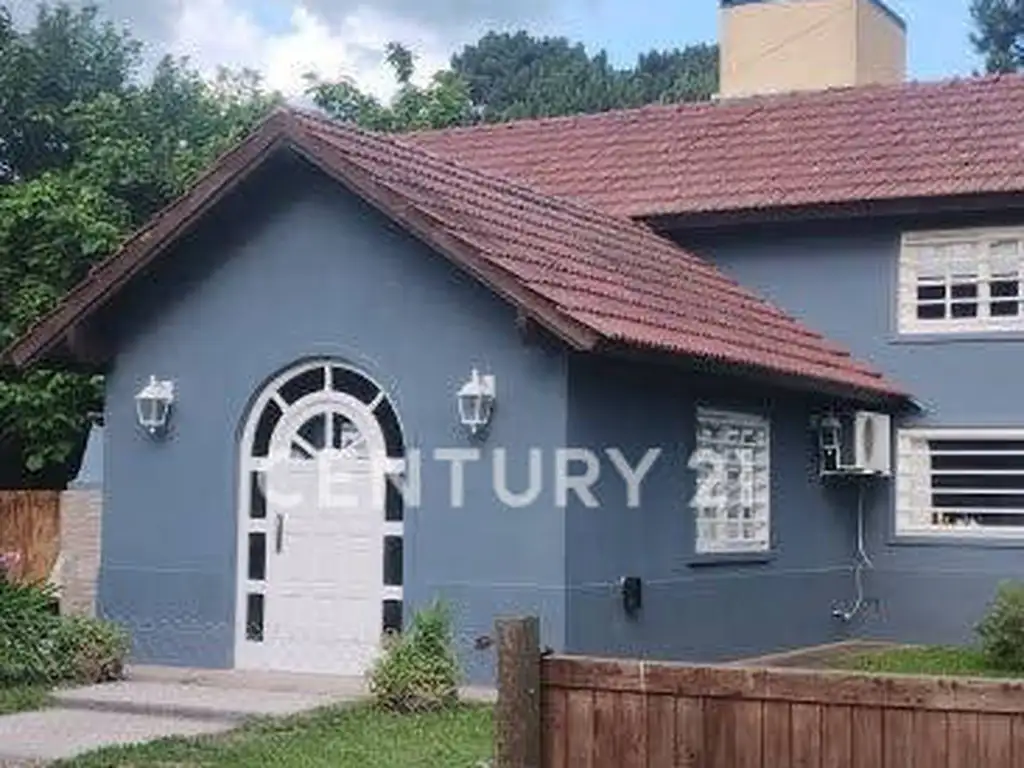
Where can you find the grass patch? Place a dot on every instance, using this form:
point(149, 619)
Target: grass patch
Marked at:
point(22, 698)
point(341, 737)
point(923, 660)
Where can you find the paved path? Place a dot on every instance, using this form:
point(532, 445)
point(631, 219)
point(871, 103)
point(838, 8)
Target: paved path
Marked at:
point(817, 656)
point(34, 738)
point(155, 703)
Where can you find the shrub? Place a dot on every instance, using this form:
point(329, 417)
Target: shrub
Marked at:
point(90, 650)
point(418, 670)
point(1001, 631)
point(27, 629)
point(37, 646)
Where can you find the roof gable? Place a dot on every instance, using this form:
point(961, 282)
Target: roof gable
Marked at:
point(852, 145)
point(596, 281)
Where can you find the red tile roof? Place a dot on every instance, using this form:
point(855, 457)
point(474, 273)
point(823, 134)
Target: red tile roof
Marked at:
point(878, 143)
point(596, 280)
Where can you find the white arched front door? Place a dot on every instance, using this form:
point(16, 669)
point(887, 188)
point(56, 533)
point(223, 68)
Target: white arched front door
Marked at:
point(320, 529)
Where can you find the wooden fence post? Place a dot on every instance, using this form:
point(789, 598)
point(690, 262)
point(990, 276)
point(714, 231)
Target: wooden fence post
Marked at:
point(517, 717)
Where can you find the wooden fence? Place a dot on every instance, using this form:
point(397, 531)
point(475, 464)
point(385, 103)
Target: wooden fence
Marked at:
point(30, 526)
point(597, 713)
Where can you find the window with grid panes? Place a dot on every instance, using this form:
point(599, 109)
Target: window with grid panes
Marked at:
point(961, 281)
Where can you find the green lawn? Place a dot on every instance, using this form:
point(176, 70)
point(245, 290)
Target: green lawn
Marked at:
point(21, 698)
point(350, 737)
point(922, 660)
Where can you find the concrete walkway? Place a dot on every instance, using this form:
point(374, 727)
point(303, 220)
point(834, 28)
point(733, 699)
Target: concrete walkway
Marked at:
point(156, 702)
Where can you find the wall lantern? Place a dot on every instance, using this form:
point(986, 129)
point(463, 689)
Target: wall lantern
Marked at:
point(476, 401)
point(830, 443)
point(153, 404)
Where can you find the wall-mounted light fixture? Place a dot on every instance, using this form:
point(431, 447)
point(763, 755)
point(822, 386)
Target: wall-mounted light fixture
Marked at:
point(476, 401)
point(153, 405)
point(830, 443)
point(632, 595)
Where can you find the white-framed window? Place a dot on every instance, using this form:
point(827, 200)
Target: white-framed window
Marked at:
point(732, 501)
point(961, 281)
point(960, 482)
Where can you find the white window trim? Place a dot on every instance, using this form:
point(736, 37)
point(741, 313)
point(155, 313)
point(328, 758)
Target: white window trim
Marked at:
point(704, 547)
point(907, 319)
point(913, 510)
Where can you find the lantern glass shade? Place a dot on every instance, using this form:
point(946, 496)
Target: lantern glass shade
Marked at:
point(476, 401)
point(153, 404)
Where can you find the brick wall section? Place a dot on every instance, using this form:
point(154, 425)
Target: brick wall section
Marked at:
point(78, 569)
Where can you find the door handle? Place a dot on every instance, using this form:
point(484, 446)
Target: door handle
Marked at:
point(279, 533)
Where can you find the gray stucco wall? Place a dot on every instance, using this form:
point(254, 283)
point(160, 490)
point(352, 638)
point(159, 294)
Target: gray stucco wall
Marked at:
point(90, 472)
point(841, 279)
point(698, 608)
point(290, 268)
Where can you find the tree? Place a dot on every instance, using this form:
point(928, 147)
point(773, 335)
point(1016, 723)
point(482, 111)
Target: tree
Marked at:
point(402, 62)
point(67, 57)
point(510, 76)
point(688, 74)
point(442, 103)
point(88, 153)
point(517, 75)
point(999, 34)
point(144, 145)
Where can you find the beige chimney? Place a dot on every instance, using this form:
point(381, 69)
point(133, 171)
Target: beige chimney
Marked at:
point(773, 46)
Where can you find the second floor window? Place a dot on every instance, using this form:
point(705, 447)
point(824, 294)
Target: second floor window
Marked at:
point(961, 281)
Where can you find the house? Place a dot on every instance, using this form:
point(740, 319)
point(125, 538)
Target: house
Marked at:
point(627, 306)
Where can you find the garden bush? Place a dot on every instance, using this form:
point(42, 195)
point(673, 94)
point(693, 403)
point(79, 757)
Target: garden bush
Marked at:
point(90, 650)
point(37, 646)
point(1001, 631)
point(27, 630)
point(418, 670)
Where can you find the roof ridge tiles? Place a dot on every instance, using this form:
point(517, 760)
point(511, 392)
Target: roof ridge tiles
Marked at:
point(907, 88)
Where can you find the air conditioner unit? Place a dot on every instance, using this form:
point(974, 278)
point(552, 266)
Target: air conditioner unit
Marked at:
point(872, 443)
point(856, 444)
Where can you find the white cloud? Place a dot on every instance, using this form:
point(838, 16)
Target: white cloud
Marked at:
point(222, 33)
point(329, 37)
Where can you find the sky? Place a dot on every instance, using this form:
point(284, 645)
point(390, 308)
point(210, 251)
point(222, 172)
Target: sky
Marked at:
point(286, 38)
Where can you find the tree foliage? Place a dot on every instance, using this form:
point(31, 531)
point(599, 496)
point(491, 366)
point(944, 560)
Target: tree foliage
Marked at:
point(442, 103)
point(510, 76)
point(88, 152)
point(999, 33)
point(66, 57)
point(517, 75)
